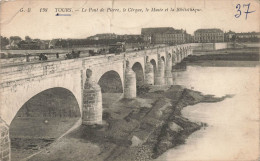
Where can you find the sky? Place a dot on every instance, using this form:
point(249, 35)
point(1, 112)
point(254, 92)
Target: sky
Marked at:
point(46, 25)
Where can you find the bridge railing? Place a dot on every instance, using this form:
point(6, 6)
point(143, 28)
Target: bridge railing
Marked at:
point(26, 71)
point(37, 70)
point(30, 70)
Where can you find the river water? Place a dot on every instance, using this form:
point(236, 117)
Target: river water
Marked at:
point(233, 124)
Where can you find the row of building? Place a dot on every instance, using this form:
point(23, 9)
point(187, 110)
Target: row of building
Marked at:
point(159, 35)
point(164, 35)
point(242, 36)
point(111, 36)
point(208, 35)
point(150, 35)
point(169, 35)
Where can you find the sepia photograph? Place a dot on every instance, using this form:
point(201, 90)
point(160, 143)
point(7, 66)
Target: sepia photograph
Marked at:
point(129, 80)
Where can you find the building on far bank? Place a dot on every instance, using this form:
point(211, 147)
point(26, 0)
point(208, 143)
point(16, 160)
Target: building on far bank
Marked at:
point(208, 35)
point(104, 36)
point(129, 37)
point(36, 44)
point(248, 36)
point(164, 35)
point(229, 36)
point(189, 38)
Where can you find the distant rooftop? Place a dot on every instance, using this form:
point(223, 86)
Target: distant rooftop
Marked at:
point(248, 33)
point(159, 30)
point(230, 32)
point(105, 34)
point(208, 30)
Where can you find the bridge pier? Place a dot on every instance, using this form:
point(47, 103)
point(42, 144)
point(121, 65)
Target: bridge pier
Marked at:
point(190, 51)
point(130, 83)
point(178, 56)
point(159, 75)
point(168, 70)
point(173, 58)
point(5, 148)
point(149, 74)
point(186, 53)
point(92, 102)
point(181, 55)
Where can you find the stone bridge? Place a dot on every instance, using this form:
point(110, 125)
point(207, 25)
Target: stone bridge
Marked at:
point(80, 77)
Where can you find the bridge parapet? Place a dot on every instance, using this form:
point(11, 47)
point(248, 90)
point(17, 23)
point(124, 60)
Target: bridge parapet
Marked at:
point(135, 54)
point(33, 71)
point(44, 69)
point(151, 51)
point(102, 60)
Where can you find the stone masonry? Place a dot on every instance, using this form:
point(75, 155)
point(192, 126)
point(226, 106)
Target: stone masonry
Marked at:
point(92, 102)
point(5, 150)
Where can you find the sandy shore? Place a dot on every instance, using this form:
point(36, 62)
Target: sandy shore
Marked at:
point(133, 129)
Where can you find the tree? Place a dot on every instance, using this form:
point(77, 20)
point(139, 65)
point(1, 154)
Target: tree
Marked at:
point(140, 40)
point(37, 40)
point(61, 43)
point(28, 39)
point(4, 42)
point(15, 38)
point(233, 38)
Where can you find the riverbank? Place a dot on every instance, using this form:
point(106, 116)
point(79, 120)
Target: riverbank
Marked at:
point(244, 57)
point(244, 50)
point(227, 56)
point(232, 131)
point(133, 129)
point(242, 54)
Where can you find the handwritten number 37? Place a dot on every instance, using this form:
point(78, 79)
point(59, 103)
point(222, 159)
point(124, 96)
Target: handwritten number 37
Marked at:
point(238, 6)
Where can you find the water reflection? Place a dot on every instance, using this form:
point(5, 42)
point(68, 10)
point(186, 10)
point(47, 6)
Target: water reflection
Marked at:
point(233, 131)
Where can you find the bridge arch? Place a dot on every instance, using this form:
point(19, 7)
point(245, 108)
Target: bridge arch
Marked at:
point(48, 114)
point(169, 55)
point(10, 107)
point(153, 62)
point(139, 70)
point(111, 82)
point(98, 72)
point(163, 58)
point(45, 100)
point(111, 88)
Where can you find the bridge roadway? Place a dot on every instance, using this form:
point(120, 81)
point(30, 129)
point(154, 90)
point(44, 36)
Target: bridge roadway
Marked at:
point(19, 83)
point(33, 59)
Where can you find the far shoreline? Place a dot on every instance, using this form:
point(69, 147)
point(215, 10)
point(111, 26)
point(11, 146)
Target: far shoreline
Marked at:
point(224, 63)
